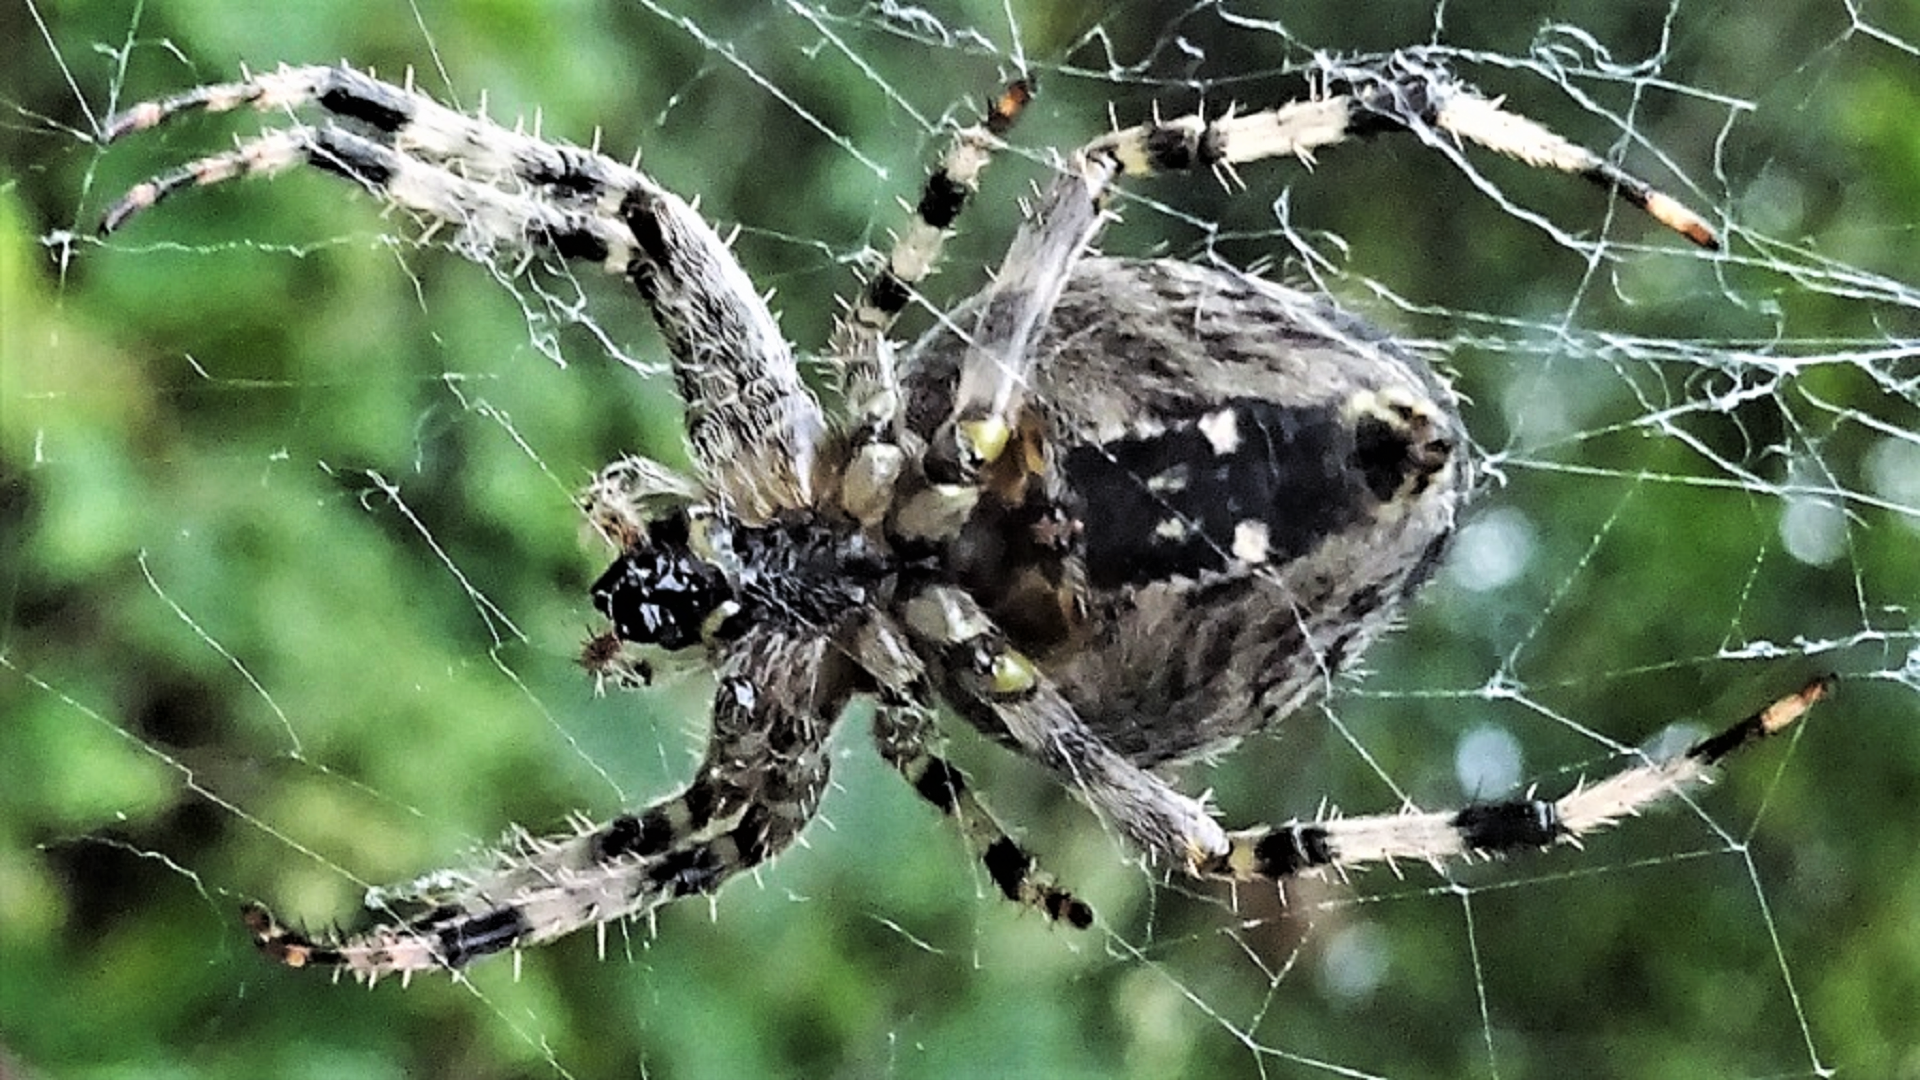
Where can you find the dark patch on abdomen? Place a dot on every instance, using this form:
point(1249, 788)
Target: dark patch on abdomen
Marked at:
point(1291, 471)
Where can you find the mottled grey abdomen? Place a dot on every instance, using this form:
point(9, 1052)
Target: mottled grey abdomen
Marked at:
point(1259, 482)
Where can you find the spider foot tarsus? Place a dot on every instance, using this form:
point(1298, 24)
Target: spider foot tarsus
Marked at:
point(1763, 724)
point(1404, 92)
point(285, 945)
point(1408, 90)
point(1498, 828)
point(443, 938)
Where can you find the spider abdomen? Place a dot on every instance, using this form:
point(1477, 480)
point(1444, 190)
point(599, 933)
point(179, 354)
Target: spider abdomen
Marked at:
point(1256, 482)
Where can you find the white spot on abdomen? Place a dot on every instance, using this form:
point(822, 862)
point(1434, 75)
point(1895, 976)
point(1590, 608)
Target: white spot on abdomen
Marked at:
point(1222, 430)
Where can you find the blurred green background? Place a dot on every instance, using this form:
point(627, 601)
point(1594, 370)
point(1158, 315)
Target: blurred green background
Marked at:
point(291, 580)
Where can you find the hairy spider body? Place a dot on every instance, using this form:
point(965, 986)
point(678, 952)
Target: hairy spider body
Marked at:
point(1114, 513)
point(1258, 481)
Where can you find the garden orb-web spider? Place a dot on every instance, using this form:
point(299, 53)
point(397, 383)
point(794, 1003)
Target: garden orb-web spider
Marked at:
point(1115, 513)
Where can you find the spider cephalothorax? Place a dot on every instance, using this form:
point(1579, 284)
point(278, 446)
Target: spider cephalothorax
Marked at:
point(1114, 513)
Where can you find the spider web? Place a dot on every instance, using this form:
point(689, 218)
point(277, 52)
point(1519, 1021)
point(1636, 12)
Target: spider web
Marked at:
point(292, 587)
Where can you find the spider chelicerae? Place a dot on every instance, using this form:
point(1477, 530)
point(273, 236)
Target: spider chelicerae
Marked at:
point(1117, 514)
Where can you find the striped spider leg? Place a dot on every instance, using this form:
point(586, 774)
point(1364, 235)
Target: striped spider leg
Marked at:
point(752, 426)
point(761, 781)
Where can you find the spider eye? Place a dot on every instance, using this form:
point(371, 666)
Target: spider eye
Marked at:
point(659, 593)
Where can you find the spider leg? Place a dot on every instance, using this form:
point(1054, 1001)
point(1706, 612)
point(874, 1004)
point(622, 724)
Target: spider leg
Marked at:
point(859, 344)
point(403, 119)
point(752, 425)
point(1004, 693)
point(1402, 93)
point(993, 378)
point(491, 221)
point(904, 733)
point(1497, 828)
point(761, 782)
point(860, 350)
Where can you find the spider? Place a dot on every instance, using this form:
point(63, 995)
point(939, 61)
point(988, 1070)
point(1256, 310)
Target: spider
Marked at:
point(1116, 514)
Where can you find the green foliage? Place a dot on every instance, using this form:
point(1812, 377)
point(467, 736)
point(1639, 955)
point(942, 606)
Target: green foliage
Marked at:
point(292, 580)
